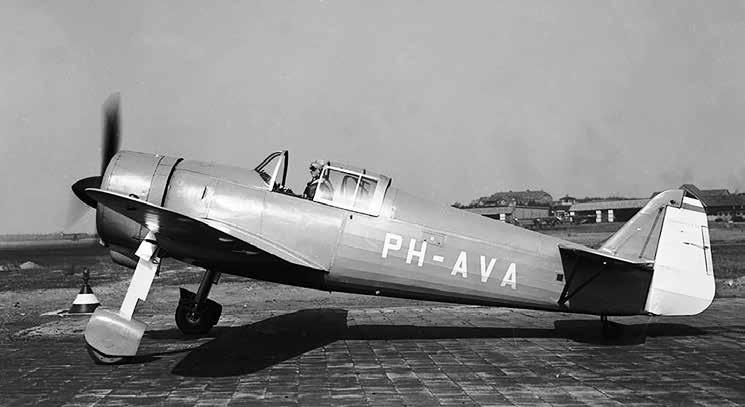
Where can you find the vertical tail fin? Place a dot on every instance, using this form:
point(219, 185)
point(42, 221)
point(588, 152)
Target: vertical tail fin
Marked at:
point(672, 231)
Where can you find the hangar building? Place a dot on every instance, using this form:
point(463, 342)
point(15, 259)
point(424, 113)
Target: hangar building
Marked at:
point(511, 213)
point(721, 205)
point(605, 211)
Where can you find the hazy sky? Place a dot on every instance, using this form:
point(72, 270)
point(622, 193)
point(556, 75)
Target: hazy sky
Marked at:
point(453, 100)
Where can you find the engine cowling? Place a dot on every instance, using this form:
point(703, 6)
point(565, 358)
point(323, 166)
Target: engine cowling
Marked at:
point(124, 258)
point(138, 175)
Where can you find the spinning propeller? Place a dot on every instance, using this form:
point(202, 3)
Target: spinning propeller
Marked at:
point(109, 148)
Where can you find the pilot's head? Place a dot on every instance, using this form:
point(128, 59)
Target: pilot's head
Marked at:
point(315, 168)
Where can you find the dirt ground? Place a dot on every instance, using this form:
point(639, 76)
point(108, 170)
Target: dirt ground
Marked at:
point(23, 304)
point(56, 278)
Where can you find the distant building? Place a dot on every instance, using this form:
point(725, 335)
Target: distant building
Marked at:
point(606, 211)
point(513, 206)
point(720, 204)
point(561, 207)
point(514, 198)
point(511, 213)
point(567, 200)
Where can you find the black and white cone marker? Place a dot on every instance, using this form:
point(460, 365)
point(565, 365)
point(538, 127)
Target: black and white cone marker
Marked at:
point(86, 302)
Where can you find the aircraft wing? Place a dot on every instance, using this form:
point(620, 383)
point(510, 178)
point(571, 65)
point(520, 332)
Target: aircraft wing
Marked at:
point(210, 233)
point(598, 255)
point(261, 243)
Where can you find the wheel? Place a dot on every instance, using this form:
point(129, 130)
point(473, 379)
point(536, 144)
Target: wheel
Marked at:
point(101, 359)
point(200, 322)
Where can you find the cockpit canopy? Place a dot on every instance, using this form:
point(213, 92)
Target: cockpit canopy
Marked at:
point(273, 163)
point(341, 185)
point(352, 188)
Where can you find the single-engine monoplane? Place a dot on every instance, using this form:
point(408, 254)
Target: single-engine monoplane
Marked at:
point(360, 234)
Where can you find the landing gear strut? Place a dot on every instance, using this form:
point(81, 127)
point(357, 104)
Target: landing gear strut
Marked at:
point(610, 330)
point(196, 314)
point(114, 336)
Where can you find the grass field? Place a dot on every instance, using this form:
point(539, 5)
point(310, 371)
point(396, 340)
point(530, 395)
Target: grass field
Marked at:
point(728, 260)
point(727, 243)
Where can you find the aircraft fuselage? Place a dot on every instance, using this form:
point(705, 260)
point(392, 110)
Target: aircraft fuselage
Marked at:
point(414, 248)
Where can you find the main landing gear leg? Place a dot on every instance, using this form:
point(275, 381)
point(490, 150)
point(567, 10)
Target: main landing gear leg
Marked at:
point(114, 336)
point(196, 314)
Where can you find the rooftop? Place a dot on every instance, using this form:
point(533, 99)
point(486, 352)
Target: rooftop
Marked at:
point(492, 210)
point(715, 197)
point(604, 205)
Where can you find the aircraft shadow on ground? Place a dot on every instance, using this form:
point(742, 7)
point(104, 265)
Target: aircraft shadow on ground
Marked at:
point(250, 348)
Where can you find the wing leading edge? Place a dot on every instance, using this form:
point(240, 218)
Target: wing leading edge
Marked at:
point(209, 233)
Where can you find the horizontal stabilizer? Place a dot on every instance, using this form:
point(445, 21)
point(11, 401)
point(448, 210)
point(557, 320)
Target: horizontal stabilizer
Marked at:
point(603, 284)
point(606, 257)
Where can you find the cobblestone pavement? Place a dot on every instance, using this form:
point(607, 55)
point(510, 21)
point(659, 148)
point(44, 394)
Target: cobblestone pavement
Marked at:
point(416, 355)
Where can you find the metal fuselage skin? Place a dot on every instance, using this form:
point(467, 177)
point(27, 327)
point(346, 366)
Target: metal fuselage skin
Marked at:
point(413, 249)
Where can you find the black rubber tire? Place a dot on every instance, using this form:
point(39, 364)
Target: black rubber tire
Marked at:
point(198, 323)
point(101, 359)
